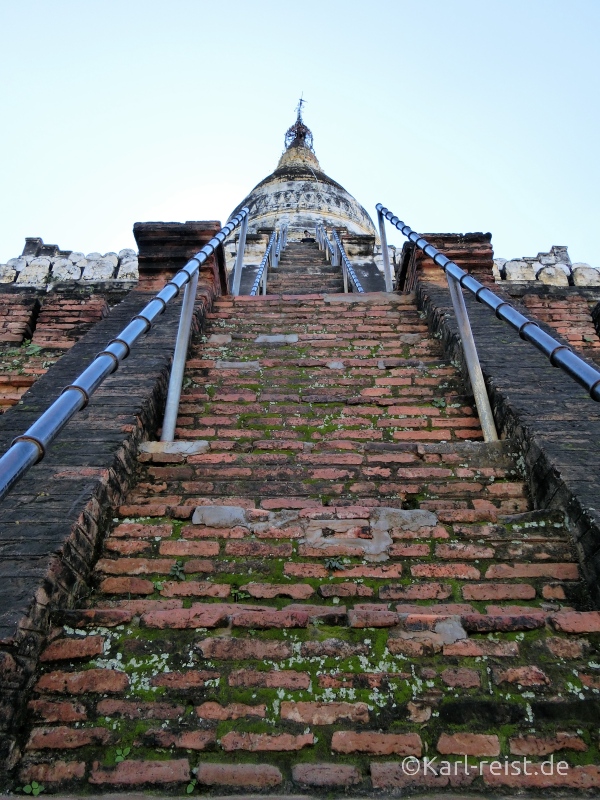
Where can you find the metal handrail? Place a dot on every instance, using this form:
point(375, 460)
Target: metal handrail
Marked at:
point(325, 244)
point(31, 447)
point(558, 354)
point(346, 265)
point(261, 275)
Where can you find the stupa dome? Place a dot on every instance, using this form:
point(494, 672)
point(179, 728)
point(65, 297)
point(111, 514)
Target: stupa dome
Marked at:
point(300, 193)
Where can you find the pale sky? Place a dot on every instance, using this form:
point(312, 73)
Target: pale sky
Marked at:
point(460, 115)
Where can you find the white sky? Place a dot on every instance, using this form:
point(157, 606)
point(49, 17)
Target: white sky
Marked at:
point(460, 115)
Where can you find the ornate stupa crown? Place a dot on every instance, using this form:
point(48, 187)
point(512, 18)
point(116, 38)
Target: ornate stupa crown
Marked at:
point(299, 134)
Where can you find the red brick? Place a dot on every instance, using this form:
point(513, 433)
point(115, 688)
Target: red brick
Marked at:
point(370, 618)
point(304, 570)
point(67, 649)
point(388, 775)
point(51, 711)
point(91, 680)
point(325, 775)
point(194, 589)
point(457, 571)
point(553, 592)
point(101, 617)
point(423, 591)
point(318, 713)
point(567, 572)
point(297, 591)
point(275, 679)
point(214, 711)
point(193, 679)
point(136, 773)
point(466, 551)
point(127, 548)
point(139, 709)
point(379, 744)
point(230, 648)
point(247, 776)
point(529, 620)
point(187, 740)
point(462, 678)
point(257, 742)
point(268, 618)
point(54, 772)
point(566, 648)
point(182, 547)
point(469, 744)
point(64, 738)
point(126, 586)
point(481, 647)
point(576, 621)
point(524, 676)
point(256, 549)
point(198, 616)
point(540, 746)
point(409, 550)
point(499, 591)
point(346, 589)
point(135, 566)
point(364, 571)
point(198, 565)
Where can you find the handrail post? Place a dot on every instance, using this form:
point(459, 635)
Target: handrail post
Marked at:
point(179, 358)
point(387, 270)
point(473, 366)
point(239, 260)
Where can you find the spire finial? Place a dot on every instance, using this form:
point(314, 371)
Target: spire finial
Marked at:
point(299, 135)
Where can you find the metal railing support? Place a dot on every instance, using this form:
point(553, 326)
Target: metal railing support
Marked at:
point(558, 354)
point(239, 259)
point(28, 449)
point(387, 270)
point(261, 274)
point(346, 265)
point(179, 357)
point(488, 426)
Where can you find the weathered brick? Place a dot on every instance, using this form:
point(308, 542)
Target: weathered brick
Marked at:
point(198, 616)
point(53, 772)
point(241, 649)
point(193, 679)
point(257, 742)
point(268, 618)
point(137, 773)
point(51, 711)
point(195, 589)
point(380, 744)
point(565, 572)
point(67, 649)
point(470, 744)
point(325, 775)
point(587, 777)
point(542, 746)
point(91, 680)
point(297, 591)
point(481, 647)
point(185, 740)
point(138, 709)
point(275, 679)
point(499, 591)
point(126, 586)
point(64, 738)
point(524, 676)
point(182, 547)
point(321, 713)
point(462, 678)
point(214, 711)
point(371, 618)
point(463, 572)
point(576, 621)
point(247, 776)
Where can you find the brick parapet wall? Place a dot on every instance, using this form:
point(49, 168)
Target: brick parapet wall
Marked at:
point(53, 522)
point(553, 421)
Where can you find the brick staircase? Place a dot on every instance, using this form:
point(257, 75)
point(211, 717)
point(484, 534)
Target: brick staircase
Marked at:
point(304, 269)
point(328, 573)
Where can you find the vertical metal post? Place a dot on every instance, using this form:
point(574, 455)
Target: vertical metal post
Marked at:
point(239, 260)
point(387, 271)
point(475, 374)
point(178, 367)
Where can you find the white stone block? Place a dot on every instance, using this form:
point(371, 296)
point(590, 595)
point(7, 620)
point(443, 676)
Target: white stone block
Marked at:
point(519, 271)
point(17, 263)
point(98, 270)
point(553, 276)
point(76, 256)
point(112, 257)
point(128, 270)
point(585, 276)
point(566, 268)
point(583, 264)
point(94, 256)
point(34, 274)
point(185, 448)
point(547, 260)
point(63, 269)
point(7, 274)
point(127, 254)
